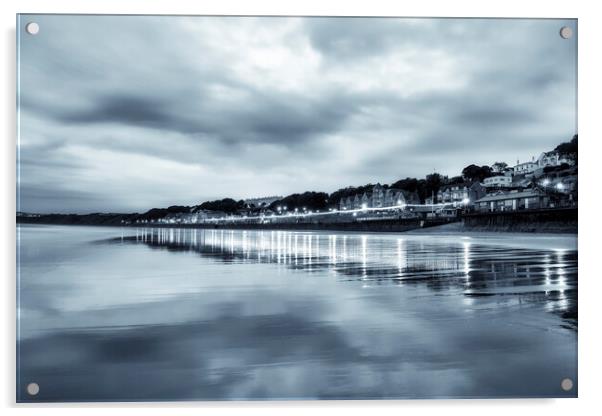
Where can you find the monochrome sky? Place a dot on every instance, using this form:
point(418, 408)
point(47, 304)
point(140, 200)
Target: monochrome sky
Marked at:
point(122, 114)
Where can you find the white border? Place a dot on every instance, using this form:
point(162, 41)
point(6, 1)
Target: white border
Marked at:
point(590, 34)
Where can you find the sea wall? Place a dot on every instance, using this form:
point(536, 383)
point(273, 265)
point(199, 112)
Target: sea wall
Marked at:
point(561, 220)
point(388, 225)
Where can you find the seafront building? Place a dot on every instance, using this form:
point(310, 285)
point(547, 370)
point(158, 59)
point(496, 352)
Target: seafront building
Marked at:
point(379, 197)
point(513, 201)
point(460, 193)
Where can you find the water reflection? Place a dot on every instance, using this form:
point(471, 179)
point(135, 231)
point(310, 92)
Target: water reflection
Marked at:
point(172, 314)
point(529, 275)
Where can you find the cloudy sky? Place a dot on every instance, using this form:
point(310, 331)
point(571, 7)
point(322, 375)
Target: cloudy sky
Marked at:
point(123, 114)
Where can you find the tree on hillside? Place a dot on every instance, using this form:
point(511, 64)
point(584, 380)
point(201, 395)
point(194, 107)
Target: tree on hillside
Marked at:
point(311, 201)
point(432, 183)
point(156, 213)
point(568, 149)
point(476, 173)
point(335, 197)
point(228, 205)
point(499, 166)
point(455, 180)
point(407, 184)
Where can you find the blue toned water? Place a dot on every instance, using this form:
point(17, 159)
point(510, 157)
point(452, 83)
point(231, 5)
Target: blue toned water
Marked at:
point(182, 314)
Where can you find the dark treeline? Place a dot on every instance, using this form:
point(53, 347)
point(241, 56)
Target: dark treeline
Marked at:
point(310, 201)
point(227, 205)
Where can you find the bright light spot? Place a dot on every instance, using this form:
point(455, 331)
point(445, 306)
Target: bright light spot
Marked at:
point(559, 186)
point(466, 201)
point(364, 206)
point(545, 182)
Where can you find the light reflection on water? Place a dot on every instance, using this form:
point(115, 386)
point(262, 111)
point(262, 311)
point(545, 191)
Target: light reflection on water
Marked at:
point(277, 314)
point(477, 270)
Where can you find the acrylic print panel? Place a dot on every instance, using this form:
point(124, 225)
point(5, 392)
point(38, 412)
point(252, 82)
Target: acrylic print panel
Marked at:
point(284, 208)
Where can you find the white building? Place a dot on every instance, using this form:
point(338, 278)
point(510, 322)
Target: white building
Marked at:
point(526, 167)
point(500, 181)
point(544, 160)
point(552, 158)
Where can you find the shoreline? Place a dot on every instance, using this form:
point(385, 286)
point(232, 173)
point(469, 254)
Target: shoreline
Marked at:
point(452, 228)
point(554, 221)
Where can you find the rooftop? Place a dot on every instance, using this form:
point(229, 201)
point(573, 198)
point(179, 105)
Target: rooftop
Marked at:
point(510, 195)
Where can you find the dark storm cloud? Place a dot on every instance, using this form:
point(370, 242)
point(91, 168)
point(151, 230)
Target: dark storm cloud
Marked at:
point(286, 119)
point(245, 106)
point(123, 109)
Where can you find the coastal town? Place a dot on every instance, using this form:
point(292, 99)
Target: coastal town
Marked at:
point(546, 182)
point(542, 189)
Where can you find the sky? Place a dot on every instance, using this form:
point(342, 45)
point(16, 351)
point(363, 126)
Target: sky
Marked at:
point(126, 113)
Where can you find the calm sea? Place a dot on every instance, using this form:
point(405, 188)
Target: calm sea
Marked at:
point(182, 314)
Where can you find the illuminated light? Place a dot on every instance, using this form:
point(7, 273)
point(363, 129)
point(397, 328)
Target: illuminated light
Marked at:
point(355, 214)
point(560, 186)
point(545, 182)
point(364, 206)
point(466, 201)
